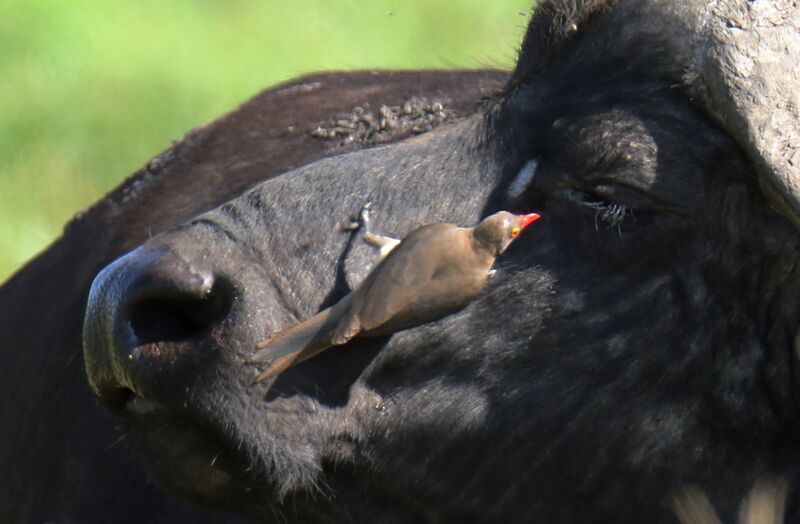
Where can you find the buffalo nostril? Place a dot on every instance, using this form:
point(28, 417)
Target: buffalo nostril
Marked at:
point(149, 315)
point(167, 316)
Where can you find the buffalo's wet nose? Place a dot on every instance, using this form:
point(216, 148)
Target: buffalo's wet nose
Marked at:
point(149, 318)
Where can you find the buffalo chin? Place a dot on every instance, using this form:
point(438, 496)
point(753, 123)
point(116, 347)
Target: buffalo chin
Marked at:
point(190, 460)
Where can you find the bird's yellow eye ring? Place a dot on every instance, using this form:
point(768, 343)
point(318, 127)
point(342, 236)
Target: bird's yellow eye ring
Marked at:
point(515, 231)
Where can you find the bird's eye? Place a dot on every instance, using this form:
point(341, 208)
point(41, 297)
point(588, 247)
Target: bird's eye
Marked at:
point(515, 231)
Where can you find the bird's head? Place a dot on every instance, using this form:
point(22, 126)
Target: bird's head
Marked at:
point(497, 231)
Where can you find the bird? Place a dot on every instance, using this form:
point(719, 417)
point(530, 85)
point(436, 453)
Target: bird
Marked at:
point(435, 271)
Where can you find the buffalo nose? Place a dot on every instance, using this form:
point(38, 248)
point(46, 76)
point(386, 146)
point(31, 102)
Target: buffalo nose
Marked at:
point(149, 316)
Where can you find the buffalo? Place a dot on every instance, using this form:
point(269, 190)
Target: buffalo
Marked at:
point(639, 339)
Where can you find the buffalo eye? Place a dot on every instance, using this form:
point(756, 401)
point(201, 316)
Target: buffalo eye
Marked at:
point(617, 210)
point(613, 214)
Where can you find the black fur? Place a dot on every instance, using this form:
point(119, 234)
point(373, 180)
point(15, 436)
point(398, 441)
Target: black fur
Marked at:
point(65, 459)
point(603, 368)
point(639, 338)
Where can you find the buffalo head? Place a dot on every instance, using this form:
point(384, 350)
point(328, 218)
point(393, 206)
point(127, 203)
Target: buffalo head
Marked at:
point(640, 338)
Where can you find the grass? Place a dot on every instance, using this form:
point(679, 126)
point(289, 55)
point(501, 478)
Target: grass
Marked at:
point(92, 90)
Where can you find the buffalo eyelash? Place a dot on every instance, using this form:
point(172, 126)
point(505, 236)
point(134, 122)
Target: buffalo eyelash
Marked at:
point(612, 213)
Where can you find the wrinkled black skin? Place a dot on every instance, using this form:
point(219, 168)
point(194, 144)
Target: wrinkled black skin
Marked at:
point(638, 337)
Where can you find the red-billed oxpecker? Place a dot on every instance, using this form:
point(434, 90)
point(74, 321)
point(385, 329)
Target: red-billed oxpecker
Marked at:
point(433, 272)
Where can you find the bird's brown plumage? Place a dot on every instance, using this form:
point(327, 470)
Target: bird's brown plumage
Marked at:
point(435, 271)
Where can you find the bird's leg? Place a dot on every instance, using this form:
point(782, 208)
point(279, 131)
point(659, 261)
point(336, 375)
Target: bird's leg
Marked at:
point(383, 243)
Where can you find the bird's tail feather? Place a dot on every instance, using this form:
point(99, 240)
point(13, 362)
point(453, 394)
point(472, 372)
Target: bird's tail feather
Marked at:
point(295, 344)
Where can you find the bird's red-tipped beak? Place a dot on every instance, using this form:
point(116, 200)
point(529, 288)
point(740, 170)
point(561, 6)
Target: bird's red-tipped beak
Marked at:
point(529, 219)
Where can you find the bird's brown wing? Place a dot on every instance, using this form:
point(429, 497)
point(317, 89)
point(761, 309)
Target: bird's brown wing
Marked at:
point(399, 289)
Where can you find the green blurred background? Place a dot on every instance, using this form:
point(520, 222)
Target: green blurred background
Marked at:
point(91, 90)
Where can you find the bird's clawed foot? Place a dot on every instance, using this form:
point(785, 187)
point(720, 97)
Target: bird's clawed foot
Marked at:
point(384, 243)
point(361, 221)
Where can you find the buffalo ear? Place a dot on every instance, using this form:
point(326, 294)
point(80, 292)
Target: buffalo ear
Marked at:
point(747, 60)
